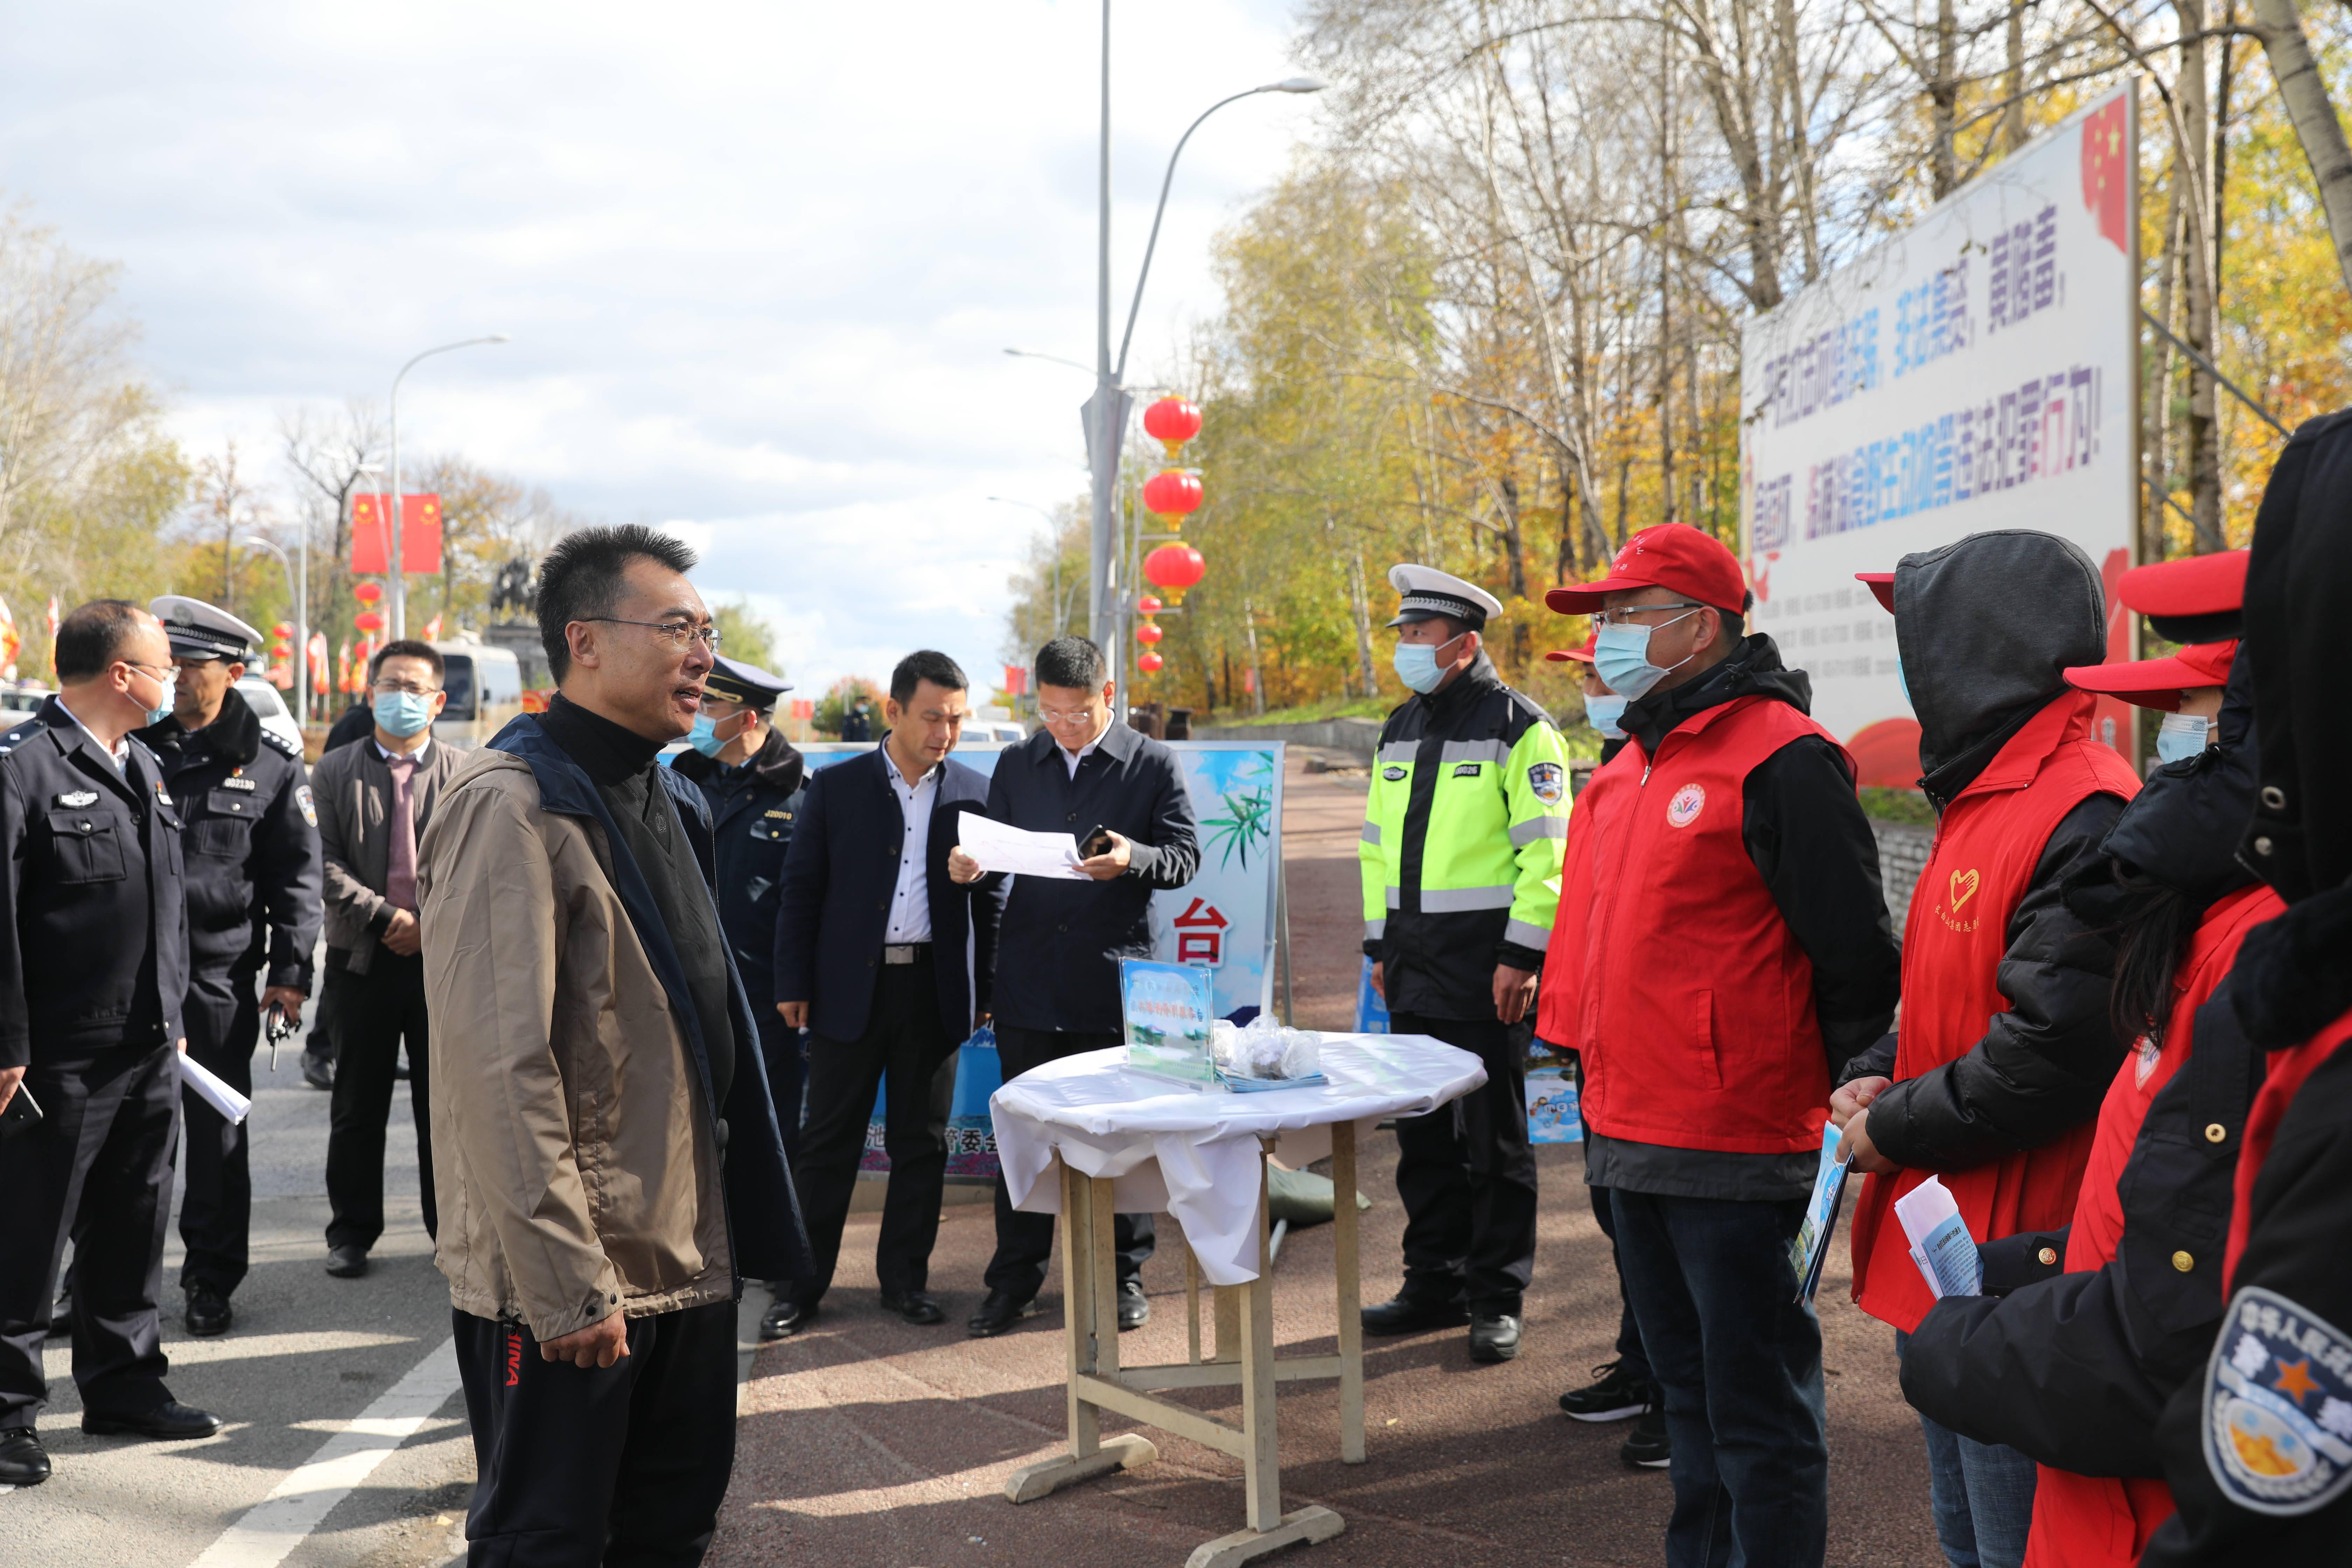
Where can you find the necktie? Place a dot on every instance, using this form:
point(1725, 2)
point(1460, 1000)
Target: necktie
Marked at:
point(399, 873)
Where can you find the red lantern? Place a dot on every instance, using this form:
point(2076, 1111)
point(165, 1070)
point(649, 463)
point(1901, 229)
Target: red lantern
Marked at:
point(1172, 493)
point(1171, 421)
point(368, 620)
point(282, 630)
point(368, 593)
point(1148, 634)
point(1148, 605)
point(1150, 663)
point(1172, 568)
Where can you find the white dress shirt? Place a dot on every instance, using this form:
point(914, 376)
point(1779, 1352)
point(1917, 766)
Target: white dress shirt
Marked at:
point(120, 751)
point(911, 906)
point(1071, 759)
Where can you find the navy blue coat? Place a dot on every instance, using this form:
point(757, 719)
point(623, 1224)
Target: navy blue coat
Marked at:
point(839, 877)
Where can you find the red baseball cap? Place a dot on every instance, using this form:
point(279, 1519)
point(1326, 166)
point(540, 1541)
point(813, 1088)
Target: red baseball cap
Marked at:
point(2194, 585)
point(1579, 655)
point(1672, 555)
point(1881, 585)
point(2158, 682)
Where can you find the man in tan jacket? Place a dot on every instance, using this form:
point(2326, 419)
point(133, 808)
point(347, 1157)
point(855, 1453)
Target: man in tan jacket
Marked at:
point(607, 1157)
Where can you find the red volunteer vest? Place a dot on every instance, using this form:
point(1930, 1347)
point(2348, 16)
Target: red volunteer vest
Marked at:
point(1691, 986)
point(1983, 859)
point(2105, 1522)
point(2288, 1069)
point(1560, 995)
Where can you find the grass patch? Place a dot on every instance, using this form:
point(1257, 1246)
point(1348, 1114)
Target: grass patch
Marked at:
point(1904, 805)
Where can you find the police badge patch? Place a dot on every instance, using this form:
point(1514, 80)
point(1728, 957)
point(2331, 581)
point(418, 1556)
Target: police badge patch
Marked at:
point(77, 799)
point(1394, 773)
point(302, 799)
point(2278, 1406)
point(1547, 780)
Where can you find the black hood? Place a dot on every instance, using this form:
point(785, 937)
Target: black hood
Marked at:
point(232, 737)
point(2182, 828)
point(1986, 628)
point(1753, 669)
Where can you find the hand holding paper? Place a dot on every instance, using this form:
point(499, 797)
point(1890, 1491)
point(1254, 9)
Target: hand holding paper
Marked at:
point(998, 847)
point(212, 1088)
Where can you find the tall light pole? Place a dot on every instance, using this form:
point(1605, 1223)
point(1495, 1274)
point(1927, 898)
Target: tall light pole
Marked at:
point(1105, 413)
point(1061, 613)
point(391, 554)
point(301, 648)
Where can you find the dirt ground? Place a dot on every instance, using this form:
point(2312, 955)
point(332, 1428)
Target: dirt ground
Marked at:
point(867, 1443)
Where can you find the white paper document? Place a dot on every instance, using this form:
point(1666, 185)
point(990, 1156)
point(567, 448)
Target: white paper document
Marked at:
point(1024, 854)
point(1940, 1243)
point(211, 1088)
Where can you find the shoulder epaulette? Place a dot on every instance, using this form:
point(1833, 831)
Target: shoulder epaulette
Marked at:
point(19, 735)
point(279, 741)
point(1528, 706)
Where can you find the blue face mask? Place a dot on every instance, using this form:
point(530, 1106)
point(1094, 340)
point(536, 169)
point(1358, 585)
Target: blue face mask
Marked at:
point(403, 712)
point(1620, 657)
point(2180, 737)
point(704, 736)
point(1416, 664)
point(1604, 712)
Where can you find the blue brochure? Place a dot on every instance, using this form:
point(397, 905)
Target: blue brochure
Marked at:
point(1812, 1242)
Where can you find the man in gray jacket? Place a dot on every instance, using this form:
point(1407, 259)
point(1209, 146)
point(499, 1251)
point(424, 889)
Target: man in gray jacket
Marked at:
point(374, 798)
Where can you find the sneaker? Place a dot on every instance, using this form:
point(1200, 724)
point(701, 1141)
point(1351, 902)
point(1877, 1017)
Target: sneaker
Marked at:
point(1614, 1394)
point(1646, 1448)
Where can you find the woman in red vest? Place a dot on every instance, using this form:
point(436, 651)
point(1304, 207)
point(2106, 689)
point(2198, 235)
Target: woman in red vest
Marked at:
point(2258, 1451)
point(2004, 1051)
point(2075, 1371)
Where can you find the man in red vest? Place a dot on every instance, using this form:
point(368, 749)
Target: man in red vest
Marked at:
point(1733, 953)
point(2005, 1051)
point(2258, 1450)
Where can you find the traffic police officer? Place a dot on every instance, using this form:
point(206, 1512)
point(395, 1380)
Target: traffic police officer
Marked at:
point(93, 967)
point(1461, 854)
point(251, 847)
point(753, 779)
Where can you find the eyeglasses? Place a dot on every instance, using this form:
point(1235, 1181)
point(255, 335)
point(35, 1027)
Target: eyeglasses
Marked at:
point(678, 632)
point(405, 687)
point(1082, 716)
point(162, 672)
point(1622, 616)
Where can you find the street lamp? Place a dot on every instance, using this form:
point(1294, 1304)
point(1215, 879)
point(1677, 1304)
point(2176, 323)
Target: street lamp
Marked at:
point(301, 632)
point(1105, 413)
point(399, 577)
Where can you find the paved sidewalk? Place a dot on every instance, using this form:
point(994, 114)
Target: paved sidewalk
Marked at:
point(867, 1443)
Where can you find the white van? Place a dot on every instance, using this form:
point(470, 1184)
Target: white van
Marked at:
point(270, 709)
point(485, 688)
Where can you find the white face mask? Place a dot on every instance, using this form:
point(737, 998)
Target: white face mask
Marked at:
point(2181, 736)
point(1621, 656)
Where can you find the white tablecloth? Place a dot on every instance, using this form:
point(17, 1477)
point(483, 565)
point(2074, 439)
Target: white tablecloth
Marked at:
point(1194, 1154)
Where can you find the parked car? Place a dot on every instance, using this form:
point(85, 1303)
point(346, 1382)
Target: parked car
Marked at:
point(270, 709)
point(485, 686)
point(23, 700)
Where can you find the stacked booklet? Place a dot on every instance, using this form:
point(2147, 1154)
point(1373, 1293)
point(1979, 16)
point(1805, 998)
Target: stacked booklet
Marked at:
point(1940, 1243)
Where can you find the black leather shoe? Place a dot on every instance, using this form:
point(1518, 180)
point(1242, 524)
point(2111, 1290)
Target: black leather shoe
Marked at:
point(1494, 1336)
point(1647, 1448)
point(785, 1319)
point(319, 1072)
point(23, 1461)
point(1134, 1306)
point(347, 1261)
point(915, 1306)
point(209, 1312)
point(168, 1419)
point(999, 1312)
point(1406, 1315)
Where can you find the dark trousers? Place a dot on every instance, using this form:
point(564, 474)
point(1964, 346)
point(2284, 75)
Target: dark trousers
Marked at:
point(1025, 1241)
point(98, 1168)
point(622, 1466)
point(381, 1008)
point(784, 1052)
point(327, 1012)
point(1738, 1359)
point(1466, 1175)
point(1629, 1334)
point(217, 1209)
point(906, 1040)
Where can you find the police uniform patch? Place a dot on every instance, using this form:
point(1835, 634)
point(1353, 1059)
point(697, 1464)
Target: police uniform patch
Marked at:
point(302, 799)
point(2278, 1406)
point(233, 782)
point(75, 799)
point(1684, 809)
point(1394, 773)
point(1548, 782)
point(1467, 770)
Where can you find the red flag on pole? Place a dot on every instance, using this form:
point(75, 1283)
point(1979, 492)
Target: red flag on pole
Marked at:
point(420, 534)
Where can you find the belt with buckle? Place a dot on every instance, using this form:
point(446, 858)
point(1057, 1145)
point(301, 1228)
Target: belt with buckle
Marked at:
point(906, 952)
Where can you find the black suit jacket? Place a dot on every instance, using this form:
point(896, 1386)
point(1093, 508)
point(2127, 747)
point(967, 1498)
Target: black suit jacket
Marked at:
point(838, 879)
point(1061, 941)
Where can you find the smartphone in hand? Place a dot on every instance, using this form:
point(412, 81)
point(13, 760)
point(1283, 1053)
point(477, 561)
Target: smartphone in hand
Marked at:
point(1094, 841)
point(24, 1113)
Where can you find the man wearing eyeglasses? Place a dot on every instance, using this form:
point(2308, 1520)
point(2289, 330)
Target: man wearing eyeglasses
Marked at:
point(374, 798)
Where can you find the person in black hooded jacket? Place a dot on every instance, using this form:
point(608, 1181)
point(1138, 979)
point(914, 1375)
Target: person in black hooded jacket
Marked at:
point(2258, 1451)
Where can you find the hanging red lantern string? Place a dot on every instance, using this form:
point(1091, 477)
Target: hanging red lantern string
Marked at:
point(1173, 495)
point(367, 593)
point(1171, 421)
point(368, 621)
point(1148, 605)
point(1150, 663)
point(1149, 634)
point(1172, 568)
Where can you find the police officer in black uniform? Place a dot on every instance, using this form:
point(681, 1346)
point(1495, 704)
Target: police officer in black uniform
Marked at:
point(251, 847)
point(93, 968)
point(753, 779)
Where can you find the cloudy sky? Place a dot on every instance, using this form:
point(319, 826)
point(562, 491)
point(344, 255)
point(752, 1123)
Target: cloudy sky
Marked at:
point(758, 261)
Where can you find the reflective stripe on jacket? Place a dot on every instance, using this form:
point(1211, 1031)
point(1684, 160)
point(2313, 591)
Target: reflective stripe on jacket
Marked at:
point(1988, 843)
point(1696, 995)
point(1462, 843)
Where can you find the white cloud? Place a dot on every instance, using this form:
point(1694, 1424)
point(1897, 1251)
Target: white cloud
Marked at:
point(757, 261)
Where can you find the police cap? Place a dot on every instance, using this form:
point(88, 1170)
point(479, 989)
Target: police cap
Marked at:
point(198, 630)
point(733, 680)
point(1429, 593)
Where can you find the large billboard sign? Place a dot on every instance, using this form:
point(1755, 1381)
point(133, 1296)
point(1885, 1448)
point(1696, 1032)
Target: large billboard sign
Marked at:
point(1978, 370)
